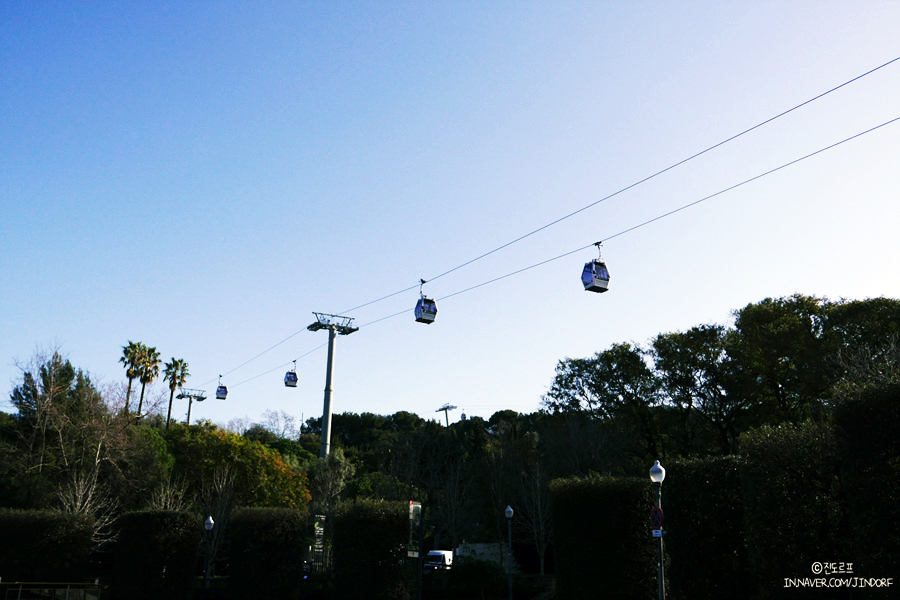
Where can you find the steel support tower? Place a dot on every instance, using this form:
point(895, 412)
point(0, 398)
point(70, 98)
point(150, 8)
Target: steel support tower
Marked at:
point(445, 408)
point(336, 326)
point(191, 395)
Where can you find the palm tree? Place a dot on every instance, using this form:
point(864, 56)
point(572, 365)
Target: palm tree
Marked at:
point(148, 369)
point(130, 356)
point(176, 373)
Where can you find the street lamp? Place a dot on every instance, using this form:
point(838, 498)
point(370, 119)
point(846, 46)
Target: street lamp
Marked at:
point(509, 516)
point(657, 474)
point(208, 526)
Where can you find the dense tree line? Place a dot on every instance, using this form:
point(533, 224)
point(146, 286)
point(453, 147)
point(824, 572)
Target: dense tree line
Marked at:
point(687, 395)
point(711, 391)
point(73, 449)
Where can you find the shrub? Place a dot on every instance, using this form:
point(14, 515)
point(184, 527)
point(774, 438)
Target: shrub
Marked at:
point(267, 549)
point(155, 555)
point(43, 545)
point(601, 538)
point(370, 554)
point(704, 529)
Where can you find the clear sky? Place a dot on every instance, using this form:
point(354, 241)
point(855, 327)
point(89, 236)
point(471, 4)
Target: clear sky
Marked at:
point(202, 176)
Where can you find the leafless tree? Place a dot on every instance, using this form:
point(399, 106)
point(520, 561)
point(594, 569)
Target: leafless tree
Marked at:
point(239, 425)
point(217, 497)
point(281, 424)
point(170, 494)
point(534, 514)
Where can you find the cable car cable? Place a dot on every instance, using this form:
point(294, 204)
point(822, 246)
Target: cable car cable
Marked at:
point(654, 219)
point(761, 175)
point(343, 312)
point(615, 235)
point(591, 205)
point(279, 367)
point(637, 183)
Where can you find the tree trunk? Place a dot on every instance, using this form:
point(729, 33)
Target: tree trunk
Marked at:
point(128, 395)
point(169, 416)
point(141, 403)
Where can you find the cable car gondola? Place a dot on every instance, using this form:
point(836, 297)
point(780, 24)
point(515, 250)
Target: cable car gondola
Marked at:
point(221, 391)
point(595, 275)
point(426, 308)
point(290, 378)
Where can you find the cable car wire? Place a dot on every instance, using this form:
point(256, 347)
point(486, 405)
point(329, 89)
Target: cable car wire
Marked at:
point(637, 183)
point(657, 218)
point(582, 248)
point(603, 199)
point(279, 367)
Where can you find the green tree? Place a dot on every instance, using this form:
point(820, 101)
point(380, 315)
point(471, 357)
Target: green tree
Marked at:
point(873, 323)
point(779, 358)
point(67, 444)
point(176, 373)
point(148, 370)
point(614, 384)
point(57, 406)
point(131, 354)
point(261, 478)
point(327, 479)
point(693, 370)
point(863, 342)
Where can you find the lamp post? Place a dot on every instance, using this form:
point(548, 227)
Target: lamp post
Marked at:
point(208, 526)
point(509, 516)
point(657, 474)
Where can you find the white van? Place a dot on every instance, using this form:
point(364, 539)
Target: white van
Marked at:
point(439, 560)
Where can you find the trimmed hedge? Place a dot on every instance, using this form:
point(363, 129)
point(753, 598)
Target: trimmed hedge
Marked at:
point(704, 529)
point(866, 430)
point(794, 514)
point(370, 554)
point(155, 555)
point(267, 549)
point(602, 540)
point(43, 545)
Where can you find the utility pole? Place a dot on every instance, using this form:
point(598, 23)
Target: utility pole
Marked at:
point(445, 408)
point(335, 325)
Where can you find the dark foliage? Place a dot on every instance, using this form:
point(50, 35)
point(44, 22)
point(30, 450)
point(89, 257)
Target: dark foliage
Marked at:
point(155, 555)
point(267, 550)
point(794, 511)
point(867, 432)
point(41, 545)
point(602, 540)
point(370, 551)
point(704, 529)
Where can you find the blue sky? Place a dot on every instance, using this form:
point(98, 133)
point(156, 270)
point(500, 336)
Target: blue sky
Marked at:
point(201, 177)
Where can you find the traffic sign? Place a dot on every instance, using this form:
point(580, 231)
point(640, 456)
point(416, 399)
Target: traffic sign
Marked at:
point(656, 517)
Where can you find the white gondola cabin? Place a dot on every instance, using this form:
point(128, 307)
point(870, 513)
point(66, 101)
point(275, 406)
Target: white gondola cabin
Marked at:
point(426, 308)
point(595, 275)
point(290, 378)
point(221, 391)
